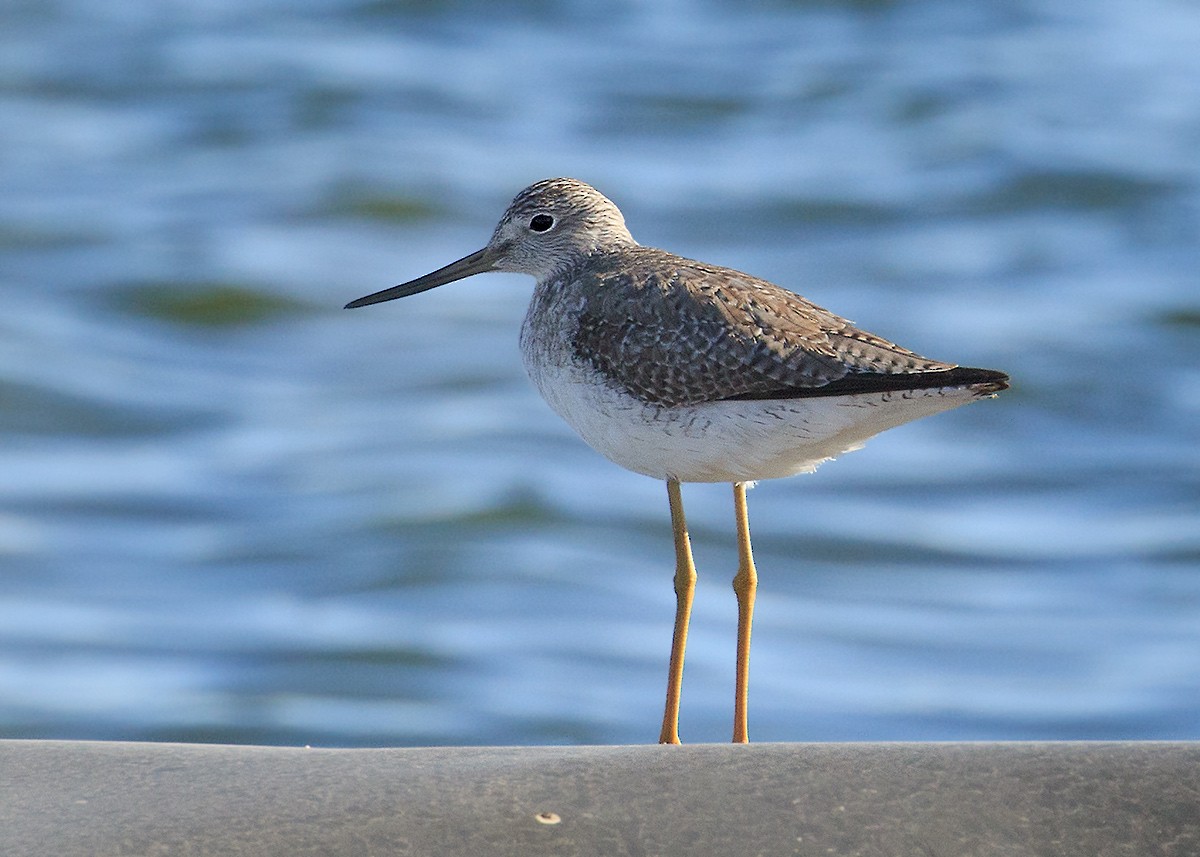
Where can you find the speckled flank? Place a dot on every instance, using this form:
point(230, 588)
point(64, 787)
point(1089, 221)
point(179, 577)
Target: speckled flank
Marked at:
point(726, 440)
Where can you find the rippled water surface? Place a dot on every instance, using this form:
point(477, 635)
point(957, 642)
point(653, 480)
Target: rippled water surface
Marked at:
point(231, 511)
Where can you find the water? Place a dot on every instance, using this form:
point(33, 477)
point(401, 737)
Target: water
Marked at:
point(231, 511)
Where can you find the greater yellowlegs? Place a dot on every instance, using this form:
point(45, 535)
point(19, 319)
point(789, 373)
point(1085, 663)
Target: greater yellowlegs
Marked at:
point(690, 372)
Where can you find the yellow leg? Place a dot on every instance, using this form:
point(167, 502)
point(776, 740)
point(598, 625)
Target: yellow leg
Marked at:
point(685, 588)
point(745, 584)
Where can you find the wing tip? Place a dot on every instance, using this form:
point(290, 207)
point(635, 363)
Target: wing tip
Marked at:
point(984, 382)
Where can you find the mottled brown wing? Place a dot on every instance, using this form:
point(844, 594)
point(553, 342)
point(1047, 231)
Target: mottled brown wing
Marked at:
point(672, 331)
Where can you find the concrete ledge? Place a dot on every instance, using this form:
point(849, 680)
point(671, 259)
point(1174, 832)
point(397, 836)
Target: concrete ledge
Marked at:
point(99, 799)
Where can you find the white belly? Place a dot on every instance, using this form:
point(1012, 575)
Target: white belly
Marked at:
point(728, 441)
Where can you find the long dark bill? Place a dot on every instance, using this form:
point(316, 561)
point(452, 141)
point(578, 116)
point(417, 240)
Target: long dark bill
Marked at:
point(476, 263)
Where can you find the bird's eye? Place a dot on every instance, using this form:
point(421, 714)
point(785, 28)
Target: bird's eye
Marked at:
point(541, 222)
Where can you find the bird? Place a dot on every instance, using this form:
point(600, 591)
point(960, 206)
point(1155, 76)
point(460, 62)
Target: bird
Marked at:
point(689, 372)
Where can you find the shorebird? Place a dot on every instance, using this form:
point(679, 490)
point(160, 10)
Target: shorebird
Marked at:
point(689, 372)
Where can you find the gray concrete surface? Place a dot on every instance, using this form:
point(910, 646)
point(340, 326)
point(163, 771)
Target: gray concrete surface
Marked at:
point(98, 799)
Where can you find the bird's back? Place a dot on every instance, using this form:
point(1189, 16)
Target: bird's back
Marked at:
point(673, 331)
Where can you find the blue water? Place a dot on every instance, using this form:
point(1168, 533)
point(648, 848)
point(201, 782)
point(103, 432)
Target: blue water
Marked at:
point(232, 511)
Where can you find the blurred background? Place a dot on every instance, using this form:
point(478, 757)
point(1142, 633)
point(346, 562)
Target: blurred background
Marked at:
point(231, 511)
